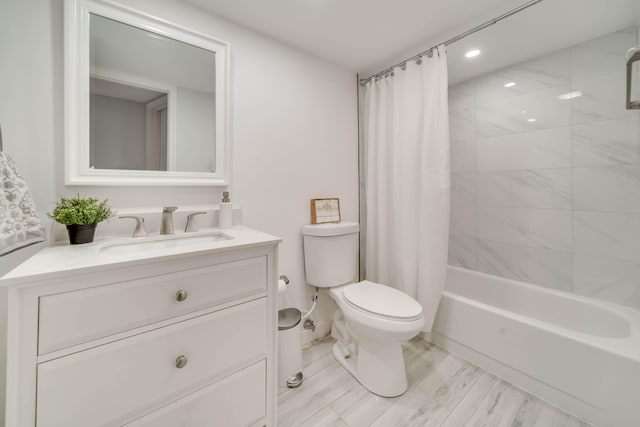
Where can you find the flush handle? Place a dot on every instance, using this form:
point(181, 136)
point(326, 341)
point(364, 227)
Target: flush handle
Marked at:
point(181, 295)
point(181, 361)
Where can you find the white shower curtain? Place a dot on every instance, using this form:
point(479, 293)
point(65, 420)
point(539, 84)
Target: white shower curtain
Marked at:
point(407, 180)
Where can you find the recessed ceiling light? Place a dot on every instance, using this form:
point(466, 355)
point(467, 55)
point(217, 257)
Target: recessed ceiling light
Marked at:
point(531, 120)
point(524, 111)
point(472, 53)
point(570, 95)
point(510, 84)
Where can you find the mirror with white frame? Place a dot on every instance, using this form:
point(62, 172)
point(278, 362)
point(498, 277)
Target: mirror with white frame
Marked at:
point(146, 100)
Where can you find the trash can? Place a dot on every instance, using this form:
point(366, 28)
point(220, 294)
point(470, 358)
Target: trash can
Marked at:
point(289, 348)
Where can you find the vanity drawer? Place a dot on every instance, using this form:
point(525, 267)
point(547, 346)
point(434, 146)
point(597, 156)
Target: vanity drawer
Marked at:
point(75, 317)
point(109, 384)
point(216, 404)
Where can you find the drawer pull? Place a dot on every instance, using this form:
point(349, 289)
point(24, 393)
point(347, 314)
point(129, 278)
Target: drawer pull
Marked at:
point(181, 295)
point(181, 361)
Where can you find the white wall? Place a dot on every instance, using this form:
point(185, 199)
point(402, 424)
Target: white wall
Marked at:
point(294, 124)
point(195, 130)
point(118, 133)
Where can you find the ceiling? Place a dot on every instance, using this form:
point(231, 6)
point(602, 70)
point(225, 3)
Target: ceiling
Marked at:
point(133, 51)
point(368, 35)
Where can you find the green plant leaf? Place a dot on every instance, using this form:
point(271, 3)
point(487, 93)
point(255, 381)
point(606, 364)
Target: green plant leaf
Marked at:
point(79, 210)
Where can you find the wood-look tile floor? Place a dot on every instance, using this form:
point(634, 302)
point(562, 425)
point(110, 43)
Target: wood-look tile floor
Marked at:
point(444, 390)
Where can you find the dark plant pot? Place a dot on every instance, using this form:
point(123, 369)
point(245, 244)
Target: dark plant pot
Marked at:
point(81, 233)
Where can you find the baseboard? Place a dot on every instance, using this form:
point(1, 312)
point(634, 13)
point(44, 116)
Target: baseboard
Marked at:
point(323, 328)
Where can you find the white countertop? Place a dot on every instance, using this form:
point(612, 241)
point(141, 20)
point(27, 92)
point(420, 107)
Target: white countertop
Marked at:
point(104, 252)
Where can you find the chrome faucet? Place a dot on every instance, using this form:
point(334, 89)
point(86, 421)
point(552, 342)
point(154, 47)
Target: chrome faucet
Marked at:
point(166, 226)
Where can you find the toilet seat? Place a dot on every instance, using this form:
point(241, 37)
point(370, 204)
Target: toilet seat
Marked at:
point(382, 301)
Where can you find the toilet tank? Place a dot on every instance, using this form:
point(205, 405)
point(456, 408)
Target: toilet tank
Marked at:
point(331, 253)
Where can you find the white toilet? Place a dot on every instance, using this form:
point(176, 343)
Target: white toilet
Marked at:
point(371, 320)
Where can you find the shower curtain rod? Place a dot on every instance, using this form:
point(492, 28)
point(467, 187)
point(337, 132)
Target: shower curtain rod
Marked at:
point(429, 51)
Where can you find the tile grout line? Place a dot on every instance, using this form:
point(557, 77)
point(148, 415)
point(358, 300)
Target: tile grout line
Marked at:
point(468, 388)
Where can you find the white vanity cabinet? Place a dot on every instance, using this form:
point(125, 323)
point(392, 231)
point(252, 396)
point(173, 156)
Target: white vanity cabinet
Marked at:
point(186, 339)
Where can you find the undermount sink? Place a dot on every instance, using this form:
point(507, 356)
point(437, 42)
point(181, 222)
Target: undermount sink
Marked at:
point(145, 244)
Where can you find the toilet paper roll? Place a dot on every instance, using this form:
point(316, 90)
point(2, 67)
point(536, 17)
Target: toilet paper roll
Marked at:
point(282, 287)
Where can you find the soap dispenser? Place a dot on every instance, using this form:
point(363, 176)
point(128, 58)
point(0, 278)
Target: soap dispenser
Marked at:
point(225, 215)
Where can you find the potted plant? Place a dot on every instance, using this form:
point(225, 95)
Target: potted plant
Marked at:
point(81, 216)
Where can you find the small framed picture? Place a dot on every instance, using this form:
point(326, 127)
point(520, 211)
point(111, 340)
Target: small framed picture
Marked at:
point(325, 210)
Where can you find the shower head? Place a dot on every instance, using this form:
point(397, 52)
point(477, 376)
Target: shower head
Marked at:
point(633, 55)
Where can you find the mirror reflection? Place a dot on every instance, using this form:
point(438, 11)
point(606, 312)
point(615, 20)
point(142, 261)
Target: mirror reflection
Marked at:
point(152, 101)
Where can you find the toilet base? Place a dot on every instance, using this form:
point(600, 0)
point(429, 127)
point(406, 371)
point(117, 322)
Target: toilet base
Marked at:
point(379, 367)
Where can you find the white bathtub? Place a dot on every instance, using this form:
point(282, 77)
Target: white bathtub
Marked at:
point(580, 354)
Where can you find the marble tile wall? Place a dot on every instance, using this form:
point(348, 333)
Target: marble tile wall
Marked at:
point(546, 186)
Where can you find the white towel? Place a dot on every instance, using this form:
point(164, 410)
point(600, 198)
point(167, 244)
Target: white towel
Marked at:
point(20, 225)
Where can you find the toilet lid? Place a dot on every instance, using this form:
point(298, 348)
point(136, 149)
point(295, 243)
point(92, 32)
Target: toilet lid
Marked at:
point(382, 301)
